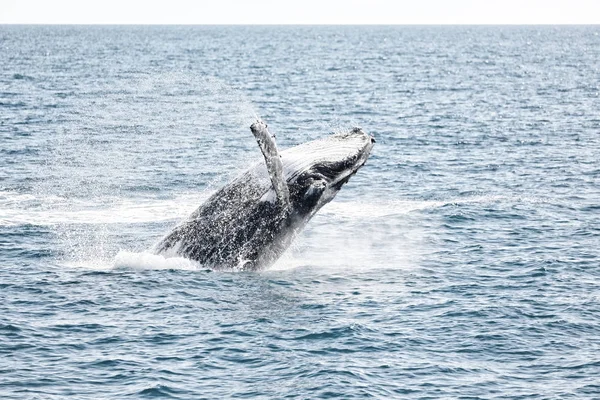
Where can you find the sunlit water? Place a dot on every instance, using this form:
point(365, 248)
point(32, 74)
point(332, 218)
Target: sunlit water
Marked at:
point(461, 261)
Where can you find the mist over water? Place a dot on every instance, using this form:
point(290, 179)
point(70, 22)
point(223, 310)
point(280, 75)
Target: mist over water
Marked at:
point(460, 261)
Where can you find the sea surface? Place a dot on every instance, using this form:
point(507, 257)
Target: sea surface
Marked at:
point(461, 262)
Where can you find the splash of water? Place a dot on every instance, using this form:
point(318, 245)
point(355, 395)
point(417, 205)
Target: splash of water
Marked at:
point(93, 236)
point(93, 166)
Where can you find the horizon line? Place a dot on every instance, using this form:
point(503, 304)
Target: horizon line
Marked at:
point(296, 24)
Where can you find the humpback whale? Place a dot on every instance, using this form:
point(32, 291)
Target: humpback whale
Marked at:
point(249, 223)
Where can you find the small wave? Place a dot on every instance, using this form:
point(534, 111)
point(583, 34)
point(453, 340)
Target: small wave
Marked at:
point(8, 197)
point(22, 77)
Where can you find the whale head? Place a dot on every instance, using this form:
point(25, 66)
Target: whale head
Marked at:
point(317, 170)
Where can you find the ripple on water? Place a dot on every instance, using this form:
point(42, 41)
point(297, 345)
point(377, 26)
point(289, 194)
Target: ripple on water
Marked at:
point(460, 262)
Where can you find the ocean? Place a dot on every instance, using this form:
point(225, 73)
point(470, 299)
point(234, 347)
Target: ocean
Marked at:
point(462, 261)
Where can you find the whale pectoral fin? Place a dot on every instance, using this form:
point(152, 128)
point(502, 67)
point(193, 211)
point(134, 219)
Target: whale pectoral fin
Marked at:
point(267, 145)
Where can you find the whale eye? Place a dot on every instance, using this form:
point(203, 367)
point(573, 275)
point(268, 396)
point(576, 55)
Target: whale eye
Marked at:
point(314, 191)
point(315, 187)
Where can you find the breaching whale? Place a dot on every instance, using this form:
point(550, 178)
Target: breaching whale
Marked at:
point(248, 224)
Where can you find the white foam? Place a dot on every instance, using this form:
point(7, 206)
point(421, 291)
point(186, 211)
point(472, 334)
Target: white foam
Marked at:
point(364, 209)
point(378, 208)
point(17, 209)
point(134, 260)
point(131, 260)
point(9, 197)
point(376, 234)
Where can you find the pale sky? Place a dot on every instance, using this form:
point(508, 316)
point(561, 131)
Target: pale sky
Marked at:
point(300, 12)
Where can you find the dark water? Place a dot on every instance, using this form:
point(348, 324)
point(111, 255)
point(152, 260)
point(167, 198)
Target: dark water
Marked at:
point(461, 262)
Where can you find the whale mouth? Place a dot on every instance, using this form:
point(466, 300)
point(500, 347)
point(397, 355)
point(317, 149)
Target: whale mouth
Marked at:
point(354, 163)
point(338, 185)
point(344, 178)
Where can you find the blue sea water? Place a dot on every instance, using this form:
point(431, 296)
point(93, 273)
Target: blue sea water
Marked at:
point(461, 262)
